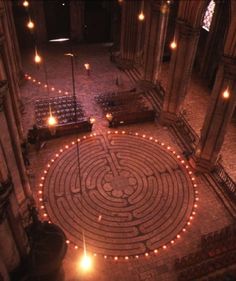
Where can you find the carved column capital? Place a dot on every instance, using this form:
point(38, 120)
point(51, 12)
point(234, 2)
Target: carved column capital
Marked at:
point(6, 187)
point(3, 91)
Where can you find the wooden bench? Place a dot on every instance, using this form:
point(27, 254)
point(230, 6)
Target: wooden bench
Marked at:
point(44, 133)
point(130, 117)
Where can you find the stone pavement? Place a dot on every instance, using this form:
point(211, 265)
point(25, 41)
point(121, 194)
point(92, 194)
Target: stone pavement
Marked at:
point(129, 194)
point(130, 157)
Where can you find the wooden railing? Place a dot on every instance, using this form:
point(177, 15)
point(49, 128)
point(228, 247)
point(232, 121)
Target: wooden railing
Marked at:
point(218, 251)
point(186, 134)
point(225, 181)
point(181, 121)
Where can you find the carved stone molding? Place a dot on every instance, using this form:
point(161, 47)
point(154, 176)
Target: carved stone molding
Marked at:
point(229, 64)
point(6, 188)
point(186, 30)
point(3, 91)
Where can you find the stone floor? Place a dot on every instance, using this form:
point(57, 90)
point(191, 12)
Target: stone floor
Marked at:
point(129, 194)
point(210, 214)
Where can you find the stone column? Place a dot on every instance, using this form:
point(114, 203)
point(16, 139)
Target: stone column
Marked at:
point(15, 45)
point(8, 70)
point(8, 248)
point(37, 9)
point(129, 30)
point(116, 25)
point(13, 239)
point(10, 142)
point(218, 116)
point(155, 39)
point(3, 271)
point(182, 59)
point(77, 20)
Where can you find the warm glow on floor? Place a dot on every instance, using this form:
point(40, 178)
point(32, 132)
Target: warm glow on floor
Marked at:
point(85, 263)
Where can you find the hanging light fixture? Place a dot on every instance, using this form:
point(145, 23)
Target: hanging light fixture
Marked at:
point(30, 24)
point(37, 57)
point(141, 15)
point(226, 93)
point(86, 260)
point(25, 4)
point(173, 45)
point(85, 263)
point(52, 121)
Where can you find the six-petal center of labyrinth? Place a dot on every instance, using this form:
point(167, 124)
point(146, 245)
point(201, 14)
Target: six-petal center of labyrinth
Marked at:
point(130, 195)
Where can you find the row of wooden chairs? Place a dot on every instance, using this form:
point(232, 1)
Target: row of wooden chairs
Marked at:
point(216, 238)
point(208, 266)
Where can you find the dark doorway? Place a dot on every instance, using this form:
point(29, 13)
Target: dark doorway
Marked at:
point(97, 26)
point(57, 14)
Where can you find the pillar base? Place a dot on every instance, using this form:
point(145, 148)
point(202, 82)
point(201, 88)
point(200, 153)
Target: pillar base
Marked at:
point(201, 165)
point(167, 118)
point(145, 85)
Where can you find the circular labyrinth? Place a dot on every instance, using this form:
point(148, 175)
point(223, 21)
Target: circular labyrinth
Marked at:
point(130, 194)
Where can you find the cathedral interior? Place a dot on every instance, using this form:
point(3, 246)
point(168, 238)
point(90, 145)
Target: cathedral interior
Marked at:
point(117, 140)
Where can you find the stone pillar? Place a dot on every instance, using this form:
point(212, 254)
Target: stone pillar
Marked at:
point(15, 45)
point(13, 239)
point(116, 26)
point(155, 39)
point(8, 248)
point(77, 20)
point(9, 140)
point(218, 116)
point(182, 59)
point(129, 30)
point(9, 70)
point(10, 217)
point(3, 271)
point(37, 10)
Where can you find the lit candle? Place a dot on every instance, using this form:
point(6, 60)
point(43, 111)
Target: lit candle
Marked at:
point(26, 4)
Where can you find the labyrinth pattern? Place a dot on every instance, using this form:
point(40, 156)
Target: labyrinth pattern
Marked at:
point(128, 194)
